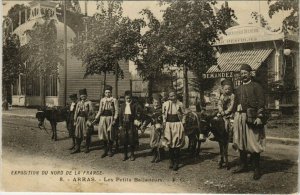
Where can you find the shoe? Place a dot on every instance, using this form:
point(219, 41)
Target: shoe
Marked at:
point(257, 174)
point(125, 158)
point(87, 150)
point(241, 169)
point(132, 158)
point(104, 155)
point(71, 148)
point(75, 151)
point(175, 166)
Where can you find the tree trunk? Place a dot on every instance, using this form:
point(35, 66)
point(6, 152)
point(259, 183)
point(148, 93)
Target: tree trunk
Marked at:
point(104, 84)
point(5, 98)
point(116, 80)
point(185, 87)
point(150, 87)
point(42, 91)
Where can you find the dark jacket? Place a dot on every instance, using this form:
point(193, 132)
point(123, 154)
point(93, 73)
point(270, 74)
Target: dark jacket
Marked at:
point(250, 96)
point(136, 111)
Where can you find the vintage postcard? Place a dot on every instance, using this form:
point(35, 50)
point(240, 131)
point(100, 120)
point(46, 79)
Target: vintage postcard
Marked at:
point(150, 96)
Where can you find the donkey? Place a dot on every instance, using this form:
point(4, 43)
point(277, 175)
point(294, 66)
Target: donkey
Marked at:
point(53, 115)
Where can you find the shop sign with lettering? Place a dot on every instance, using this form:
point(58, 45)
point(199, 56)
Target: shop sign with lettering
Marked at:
point(218, 75)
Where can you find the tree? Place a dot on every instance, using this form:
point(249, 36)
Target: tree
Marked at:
point(43, 52)
point(258, 18)
point(12, 63)
point(13, 13)
point(110, 38)
point(149, 61)
point(189, 29)
point(291, 22)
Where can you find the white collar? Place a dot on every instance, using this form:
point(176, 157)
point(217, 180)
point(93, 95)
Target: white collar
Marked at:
point(245, 83)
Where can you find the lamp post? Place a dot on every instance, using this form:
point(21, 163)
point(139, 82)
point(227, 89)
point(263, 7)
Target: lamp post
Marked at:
point(116, 48)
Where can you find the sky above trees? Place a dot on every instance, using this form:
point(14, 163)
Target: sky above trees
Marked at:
point(131, 9)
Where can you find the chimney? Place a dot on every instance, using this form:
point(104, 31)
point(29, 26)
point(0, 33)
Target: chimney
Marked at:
point(20, 18)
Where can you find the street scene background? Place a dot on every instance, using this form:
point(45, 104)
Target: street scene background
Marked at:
point(52, 49)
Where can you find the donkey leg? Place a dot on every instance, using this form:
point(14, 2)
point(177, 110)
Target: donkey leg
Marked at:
point(52, 129)
point(226, 155)
point(55, 131)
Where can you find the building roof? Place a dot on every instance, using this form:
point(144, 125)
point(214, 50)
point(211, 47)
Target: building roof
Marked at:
point(231, 61)
point(247, 34)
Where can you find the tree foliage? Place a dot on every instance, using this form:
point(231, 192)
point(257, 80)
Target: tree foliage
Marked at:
point(42, 52)
point(13, 14)
point(12, 63)
point(291, 22)
point(260, 19)
point(190, 28)
point(110, 38)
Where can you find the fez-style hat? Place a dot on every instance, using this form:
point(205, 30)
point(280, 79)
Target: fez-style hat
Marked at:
point(108, 87)
point(226, 82)
point(82, 91)
point(73, 96)
point(127, 93)
point(246, 67)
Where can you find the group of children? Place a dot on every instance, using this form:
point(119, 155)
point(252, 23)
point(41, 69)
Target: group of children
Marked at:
point(118, 123)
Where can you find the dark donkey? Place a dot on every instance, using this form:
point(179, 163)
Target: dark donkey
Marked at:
point(54, 115)
point(222, 136)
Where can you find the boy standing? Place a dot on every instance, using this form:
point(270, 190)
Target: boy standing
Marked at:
point(173, 120)
point(84, 114)
point(70, 122)
point(129, 134)
point(108, 113)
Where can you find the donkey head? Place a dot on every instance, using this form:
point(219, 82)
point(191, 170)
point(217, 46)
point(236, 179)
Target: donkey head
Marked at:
point(41, 115)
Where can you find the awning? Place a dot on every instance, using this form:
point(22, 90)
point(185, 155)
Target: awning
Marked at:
point(231, 61)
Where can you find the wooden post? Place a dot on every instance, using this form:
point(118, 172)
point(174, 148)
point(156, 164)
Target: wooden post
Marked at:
point(65, 51)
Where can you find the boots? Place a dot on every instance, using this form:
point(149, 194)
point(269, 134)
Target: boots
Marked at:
point(110, 152)
point(105, 150)
point(87, 144)
point(158, 155)
point(77, 147)
point(171, 152)
point(154, 152)
point(176, 159)
point(132, 157)
point(73, 144)
point(125, 153)
point(243, 167)
point(256, 159)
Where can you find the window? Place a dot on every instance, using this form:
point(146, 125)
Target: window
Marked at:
point(33, 86)
point(51, 85)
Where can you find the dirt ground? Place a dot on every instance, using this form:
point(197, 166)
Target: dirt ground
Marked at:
point(27, 149)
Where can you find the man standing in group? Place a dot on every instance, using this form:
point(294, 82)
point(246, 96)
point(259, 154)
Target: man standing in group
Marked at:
point(249, 133)
point(70, 119)
point(108, 113)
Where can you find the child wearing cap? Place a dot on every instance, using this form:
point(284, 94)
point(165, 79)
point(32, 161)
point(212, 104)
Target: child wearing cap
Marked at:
point(156, 130)
point(84, 114)
point(108, 113)
point(225, 106)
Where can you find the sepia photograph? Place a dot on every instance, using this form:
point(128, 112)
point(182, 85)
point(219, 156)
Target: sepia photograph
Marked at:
point(157, 96)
